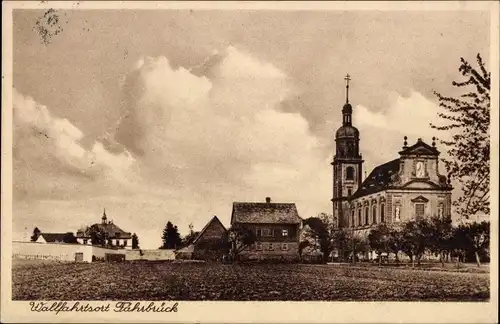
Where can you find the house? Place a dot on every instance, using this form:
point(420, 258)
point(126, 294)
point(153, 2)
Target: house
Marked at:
point(275, 225)
point(56, 238)
point(405, 188)
point(114, 235)
point(211, 243)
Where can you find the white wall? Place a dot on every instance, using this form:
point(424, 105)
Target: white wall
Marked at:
point(66, 252)
point(50, 251)
point(150, 255)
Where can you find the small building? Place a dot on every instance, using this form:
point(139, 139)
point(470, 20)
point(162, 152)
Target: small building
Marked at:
point(211, 243)
point(56, 238)
point(114, 235)
point(275, 225)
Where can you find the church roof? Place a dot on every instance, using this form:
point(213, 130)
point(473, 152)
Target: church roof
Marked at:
point(110, 229)
point(380, 178)
point(265, 213)
point(347, 131)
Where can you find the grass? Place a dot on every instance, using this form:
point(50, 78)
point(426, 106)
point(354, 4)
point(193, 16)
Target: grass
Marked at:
point(256, 282)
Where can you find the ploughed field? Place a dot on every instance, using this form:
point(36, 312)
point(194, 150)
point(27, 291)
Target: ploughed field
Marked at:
point(256, 282)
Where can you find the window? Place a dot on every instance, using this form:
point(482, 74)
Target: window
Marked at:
point(374, 214)
point(85, 241)
point(352, 219)
point(268, 232)
point(349, 192)
point(284, 246)
point(284, 232)
point(349, 173)
point(271, 247)
point(258, 232)
point(419, 211)
point(382, 213)
point(367, 212)
point(124, 242)
point(359, 217)
point(258, 246)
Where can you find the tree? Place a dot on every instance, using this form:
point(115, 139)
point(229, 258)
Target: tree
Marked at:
point(441, 237)
point(302, 245)
point(239, 238)
point(97, 235)
point(469, 148)
point(171, 237)
point(341, 241)
point(322, 231)
point(416, 238)
point(69, 237)
point(396, 240)
point(135, 241)
point(473, 237)
point(36, 234)
point(188, 239)
point(379, 240)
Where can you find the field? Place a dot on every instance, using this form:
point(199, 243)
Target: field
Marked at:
point(258, 282)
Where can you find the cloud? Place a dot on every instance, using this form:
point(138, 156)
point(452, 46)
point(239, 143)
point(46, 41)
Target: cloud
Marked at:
point(49, 159)
point(189, 142)
point(217, 129)
point(382, 132)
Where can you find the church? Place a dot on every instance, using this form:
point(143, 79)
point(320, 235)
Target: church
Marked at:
point(408, 187)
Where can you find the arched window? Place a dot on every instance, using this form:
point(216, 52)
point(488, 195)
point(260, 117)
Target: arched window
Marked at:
point(382, 213)
point(349, 173)
point(367, 212)
point(374, 214)
point(359, 217)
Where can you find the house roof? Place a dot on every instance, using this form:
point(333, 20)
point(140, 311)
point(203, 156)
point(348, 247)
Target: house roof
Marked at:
point(54, 237)
point(265, 213)
point(381, 177)
point(110, 229)
point(214, 219)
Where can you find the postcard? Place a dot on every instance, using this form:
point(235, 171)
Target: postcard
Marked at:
point(248, 162)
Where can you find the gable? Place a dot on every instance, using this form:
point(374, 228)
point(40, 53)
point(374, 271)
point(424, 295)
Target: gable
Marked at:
point(420, 184)
point(421, 199)
point(420, 148)
point(40, 239)
point(213, 230)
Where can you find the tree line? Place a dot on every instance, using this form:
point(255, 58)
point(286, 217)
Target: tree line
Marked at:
point(415, 238)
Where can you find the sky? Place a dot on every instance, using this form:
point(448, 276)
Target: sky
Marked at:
point(173, 115)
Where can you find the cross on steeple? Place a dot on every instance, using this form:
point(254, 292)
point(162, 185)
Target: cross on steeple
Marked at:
point(347, 78)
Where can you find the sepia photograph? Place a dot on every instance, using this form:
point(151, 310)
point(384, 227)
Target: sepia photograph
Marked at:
point(285, 154)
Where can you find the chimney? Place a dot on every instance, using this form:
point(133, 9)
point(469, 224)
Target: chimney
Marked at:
point(268, 200)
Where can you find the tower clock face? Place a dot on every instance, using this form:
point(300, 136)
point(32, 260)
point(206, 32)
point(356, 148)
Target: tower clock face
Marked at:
point(419, 169)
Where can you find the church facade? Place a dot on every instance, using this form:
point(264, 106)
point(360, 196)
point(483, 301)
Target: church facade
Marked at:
point(408, 187)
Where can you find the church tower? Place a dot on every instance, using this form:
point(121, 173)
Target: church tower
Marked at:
point(347, 163)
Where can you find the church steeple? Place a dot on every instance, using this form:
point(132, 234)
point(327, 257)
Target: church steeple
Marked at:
point(104, 217)
point(347, 109)
point(347, 162)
